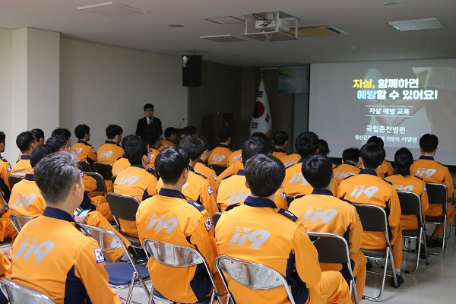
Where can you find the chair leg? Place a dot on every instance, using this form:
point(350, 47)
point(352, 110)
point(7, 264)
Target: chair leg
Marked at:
point(385, 268)
point(443, 237)
point(130, 288)
point(425, 248)
point(354, 290)
point(151, 296)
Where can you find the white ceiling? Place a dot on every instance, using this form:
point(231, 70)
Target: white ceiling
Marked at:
point(370, 37)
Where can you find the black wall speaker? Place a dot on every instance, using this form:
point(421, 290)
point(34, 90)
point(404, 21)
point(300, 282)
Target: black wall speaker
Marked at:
point(192, 70)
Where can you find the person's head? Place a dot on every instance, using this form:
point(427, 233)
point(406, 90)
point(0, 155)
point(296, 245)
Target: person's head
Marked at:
point(253, 146)
point(224, 135)
point(280, 139)
point(114, 133)
point(351, 155)
point(149, 110)
point(188, 130)
point(193, 145)
point(429, 143)
point(59, 180)
point(59, 143)
point(172, 165)
point(264, 174)
point(82, 132)
point(323, 147)
point(39, 153)
point(65, 133)
point(372, 155)
point(39, 136)
point(2, 142)
point(306, 144)
point(317, 170)
point(153, 139)
point(376, 140)
point(403, 160)
point(207, 148)
point(25, 142)
point(128, 138)
point(171, 134)
point(136, 151)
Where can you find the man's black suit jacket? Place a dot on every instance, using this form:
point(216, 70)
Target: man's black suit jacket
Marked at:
point(142, 128)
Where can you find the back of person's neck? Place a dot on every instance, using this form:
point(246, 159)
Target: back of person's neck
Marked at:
point(178, 186)
point(271, 197)
point(193, 162)
point(428, 154)
point(369, 168)
point(279, 147)
point(29, 152)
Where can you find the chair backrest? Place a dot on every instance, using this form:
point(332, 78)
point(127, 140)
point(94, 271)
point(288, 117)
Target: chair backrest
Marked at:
point(411, 205)
point(218, 169)
point(101, 186)
point(123, 206)
point(83, 166)
point(373, 217)
point(19, 294)
point(107, 239)
point(216, 217)
point(331, 247)
point(173, 255)
point(14, 179)
point(2, 199)
point(437, 194)
point(290, 198)
point(252, 275)
point(19, 221)
point(105, 170)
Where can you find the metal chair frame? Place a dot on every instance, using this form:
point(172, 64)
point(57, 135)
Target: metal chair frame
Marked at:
point(108, 241)
point(411, 205)
point(84, 166)
point(366, 212)
point(333, 248)
point(256, 276)
point(438, 194)
point(19, 294)
point(179, 256)
point(101, 186)
point(19, 221)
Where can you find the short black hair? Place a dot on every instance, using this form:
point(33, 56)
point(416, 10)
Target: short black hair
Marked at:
point(148, 106)
point(280, 138)
point(37, 133)
point(170, 164)
point(372, 155)
point(265, 174)
point(135, 149)
point(223, 134)
point(40, 152)
point(57, 142)
point(207, 144)
point(152, 137)
point(25, 140)
point(193, 145)
point(65, 133)
point(323, 147)
point(127, 139)
point(403, 160)
point(81, 130)
point(429, 142)
point(189, 130)
point(260, 135)
point(2, 137)
point(253, 146)
point(351, 154)
point(170, 131)
point(113, 130)
point(306, 143)
point(317, 170)
point(376, 140)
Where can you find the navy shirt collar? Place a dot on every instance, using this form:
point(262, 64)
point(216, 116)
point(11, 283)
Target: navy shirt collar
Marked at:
point(138, 166)
point(191, 168)
point(427, 157)
point(200, 161)
point(302, 160)
point(350, 163)
point(322, 192)
point(57, 214)
point(29, 177)
point(171, 193)
point(110, 142)
point(241, 172)
point(25, 157)
point(259, 202)
point(368, 171)
point(223, 146)
point(279, 150)
point(80, 141)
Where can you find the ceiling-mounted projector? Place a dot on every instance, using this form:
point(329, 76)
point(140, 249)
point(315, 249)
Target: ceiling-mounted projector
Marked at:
point(271, 25)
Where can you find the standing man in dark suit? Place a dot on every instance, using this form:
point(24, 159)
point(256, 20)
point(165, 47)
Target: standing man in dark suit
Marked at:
point(148, 124)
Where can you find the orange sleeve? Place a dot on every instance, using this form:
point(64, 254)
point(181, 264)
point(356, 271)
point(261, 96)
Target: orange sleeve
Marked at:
point(152, 187)
point(449, 183)
point(90, 184)
point(92, 154)
point(306, 258)
point(208, 198)
point(356, 234)
point(231, 170)
point(394, 218)
point(204, 241)
point(424, 200)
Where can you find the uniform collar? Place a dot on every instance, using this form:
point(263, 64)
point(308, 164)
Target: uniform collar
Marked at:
point(171, 193)
point(80, 141)
point(57, 214)
point(201, 162)
point(427, 157)
point(259, 202)
point(322, 192)
point(25, 157)
point(110, 142)
point(241, 172)
point(223, 146)
point(301, 160)
point(153, 148)
point(350, 163)
point(137, 166)
point(368, 171)
point(2, 158)
point(279, 150)
point(191, 168)
point(29, 177)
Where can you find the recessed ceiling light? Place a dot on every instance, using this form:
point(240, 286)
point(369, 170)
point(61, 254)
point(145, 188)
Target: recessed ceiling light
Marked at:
point(392, 4)
point(415, 25)
point(175, 25)
point(111, 9)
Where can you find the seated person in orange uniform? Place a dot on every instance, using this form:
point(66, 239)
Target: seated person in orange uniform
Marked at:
point(385, 169)
point(122, 162)
point(154, 141)
point(67, 263)
point(84, 150)
point(323, 148)
point(349, 166)
point(25, 142)
point(5, 270)
point(431, 171)
point(233, 190)
point(202, 167)
point(39, 136)
point(280, 141)
point(260, 232)
point(135, 180)
point(110, 151)
point(322, 212)
point(5, 169)
point(219, 156)
point(187, 223)
point(170, 138)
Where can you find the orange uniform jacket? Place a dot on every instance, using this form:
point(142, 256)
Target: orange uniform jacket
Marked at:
point(208, 172)
point(26, 198)
point(236, 155)
point(168, 217)
point(135, 181)
point(412, 184)
point(153, 152)
point(279, 153)
point(23, 166)
point(295, 184)
point(219, 156)
point(231, 170)
point(368, 188)
point(291, 159)
point(345, 170)
point(166, 144)
point(119, 165)
point(85, 151)
point(385, 169)
point(61, 262)
point(256, 232)
point(5, 170)
point(109, 152)
point(233, 190)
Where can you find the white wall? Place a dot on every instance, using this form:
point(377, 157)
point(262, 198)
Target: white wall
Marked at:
point(101, 85)
point(5, 90)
